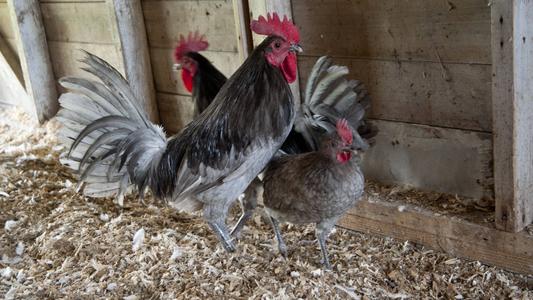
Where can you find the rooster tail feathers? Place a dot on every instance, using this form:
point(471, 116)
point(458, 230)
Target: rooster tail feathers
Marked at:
point(330, 96)
point(106, 129)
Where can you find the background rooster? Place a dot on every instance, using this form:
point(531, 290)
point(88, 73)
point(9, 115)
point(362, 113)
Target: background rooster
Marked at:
point(198, 75)
point(213, 159)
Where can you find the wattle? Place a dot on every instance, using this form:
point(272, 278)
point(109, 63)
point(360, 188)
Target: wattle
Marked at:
point(187, 79)
point(344, 156)
point(289, 67)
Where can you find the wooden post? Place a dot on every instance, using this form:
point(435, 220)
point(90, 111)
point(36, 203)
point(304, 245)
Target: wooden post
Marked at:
point(135, 54)
point(34, 57)
point(241, 13)
point(512, 105)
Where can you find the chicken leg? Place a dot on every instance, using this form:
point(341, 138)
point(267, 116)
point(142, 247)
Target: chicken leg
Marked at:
point(281, 244)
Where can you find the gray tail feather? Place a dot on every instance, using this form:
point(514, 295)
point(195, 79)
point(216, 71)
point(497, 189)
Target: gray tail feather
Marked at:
point(329, 96)
point(113, 145)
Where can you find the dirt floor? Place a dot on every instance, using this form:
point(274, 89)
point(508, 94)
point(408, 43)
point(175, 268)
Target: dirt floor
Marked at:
point(55, 243)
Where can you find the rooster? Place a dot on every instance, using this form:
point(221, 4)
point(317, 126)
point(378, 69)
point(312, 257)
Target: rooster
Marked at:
point(329, 97)
point(198, 75)
point(212, 160)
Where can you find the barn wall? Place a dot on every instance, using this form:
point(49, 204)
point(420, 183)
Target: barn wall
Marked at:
point(165, 21)
point(427, 65)
point(6, 29)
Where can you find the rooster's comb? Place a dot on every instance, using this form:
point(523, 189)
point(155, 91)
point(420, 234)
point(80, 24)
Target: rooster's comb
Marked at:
point(344, 131)
point(273, 25)
point(193, 43)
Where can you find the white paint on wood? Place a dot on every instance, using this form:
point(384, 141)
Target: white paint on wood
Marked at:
point(512, 47)
point(431, 158)
point(136, 57)
point(34, 57)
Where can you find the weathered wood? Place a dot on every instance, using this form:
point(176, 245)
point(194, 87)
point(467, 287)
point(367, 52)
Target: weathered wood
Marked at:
point(242, 25)
point(6, 28)
point(82, 22)
point(447, 95)
point(135, 54)
point(169, 81)
point(11, 58)
point(432, 158)
point(422, 30)
point(175, 111)
point(34, 57)
point(12, 91)
point(166, 20)
point(512, 46)
point(457, 237)
point(66, 58)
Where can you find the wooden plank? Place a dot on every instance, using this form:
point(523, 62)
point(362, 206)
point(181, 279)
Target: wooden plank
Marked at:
point(166, 20)
point(447, 95)
point(11, 58)
point(431, 158)
point(65, 58)
point(6, 28)
point(512, 46)
point(34, 57)
point(511, 251)
point(12, 92)
point(169, 81)
point(136, 58)
point(175, 111)
point(87, 22)
point(242, 27)
point(421, 30)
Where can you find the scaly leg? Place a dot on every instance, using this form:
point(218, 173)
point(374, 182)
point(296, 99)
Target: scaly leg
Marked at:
point(249, 203)
point(281, 244)
point(215, 217)
point(322, 231)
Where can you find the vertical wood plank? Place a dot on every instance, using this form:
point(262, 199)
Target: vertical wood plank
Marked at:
point(12, 92)
point(512, 54)
point(34, 57)
point(135, 54)
point(241, 12)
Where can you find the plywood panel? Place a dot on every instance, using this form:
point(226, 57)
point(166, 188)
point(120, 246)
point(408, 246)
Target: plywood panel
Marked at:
point(88, 22)
point(456, 31)
point(436, 159)
point(65, 57)
point(166, 20)
point(169, 81)
point(175, 111)
point(447, 95)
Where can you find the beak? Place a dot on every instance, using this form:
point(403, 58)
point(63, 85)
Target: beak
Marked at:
point(176, 67)
point(296, 48)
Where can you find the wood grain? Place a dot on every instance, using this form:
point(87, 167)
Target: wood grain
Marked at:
point(430, 158)
point(421, 30)
point(87, 22)
point(175, 111)
point(512, 45)
point(446, 95)
point(166, 20)
point(513, 252)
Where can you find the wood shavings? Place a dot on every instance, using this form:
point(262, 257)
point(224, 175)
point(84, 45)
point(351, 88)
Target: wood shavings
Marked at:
point(77, 247)
point(138, 240)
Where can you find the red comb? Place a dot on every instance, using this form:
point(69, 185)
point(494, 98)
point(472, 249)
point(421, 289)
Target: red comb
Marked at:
point(273, 25)
point(193, 43)
point(344, 131)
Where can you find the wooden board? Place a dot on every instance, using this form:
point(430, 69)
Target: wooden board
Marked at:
point(88, 22)
point(6, 29)
point(421, 30)
point(169, 81)
point(166, 20)
point(175, 111)
point(447, 95)
point(457, 237)
point(12, 91)
point(65, 58)
point(431, 158)
point(512, 44)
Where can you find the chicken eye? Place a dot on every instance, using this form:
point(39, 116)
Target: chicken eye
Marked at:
point(277, 44)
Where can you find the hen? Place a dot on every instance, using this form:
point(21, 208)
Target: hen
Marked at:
point(212, 160)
